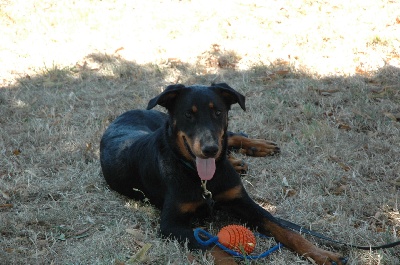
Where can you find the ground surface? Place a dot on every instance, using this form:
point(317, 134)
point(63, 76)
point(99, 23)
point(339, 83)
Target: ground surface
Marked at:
point(321, 78)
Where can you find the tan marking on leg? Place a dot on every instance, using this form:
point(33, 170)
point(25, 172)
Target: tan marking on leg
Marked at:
point(221, 257)
point(189, 207)
point(299, 244)
point(252, 147)
point(231, 194)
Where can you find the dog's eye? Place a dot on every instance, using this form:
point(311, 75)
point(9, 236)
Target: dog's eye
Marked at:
point(218, 112)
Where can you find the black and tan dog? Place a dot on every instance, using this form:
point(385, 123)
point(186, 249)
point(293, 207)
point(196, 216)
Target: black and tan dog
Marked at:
point(179, 162)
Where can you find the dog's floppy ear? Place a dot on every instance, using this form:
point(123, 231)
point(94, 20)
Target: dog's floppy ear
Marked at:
point(230, 95)
point(166, 97)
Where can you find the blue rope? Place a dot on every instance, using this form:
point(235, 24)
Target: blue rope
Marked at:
point(214, 240)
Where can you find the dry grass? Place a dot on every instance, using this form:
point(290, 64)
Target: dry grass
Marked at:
point(322, 79)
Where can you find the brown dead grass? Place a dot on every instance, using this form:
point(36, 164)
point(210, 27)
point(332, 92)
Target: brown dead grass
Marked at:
point(321, 79)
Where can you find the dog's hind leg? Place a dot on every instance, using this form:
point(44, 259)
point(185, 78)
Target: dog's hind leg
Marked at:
point(251, 147)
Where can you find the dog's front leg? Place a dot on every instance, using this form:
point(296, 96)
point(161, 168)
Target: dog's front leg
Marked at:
point(236, 200)
point(176, 224)
point(176, 219)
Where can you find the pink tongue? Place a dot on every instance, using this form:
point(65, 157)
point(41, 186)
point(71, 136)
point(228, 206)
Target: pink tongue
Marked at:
point(205, 168)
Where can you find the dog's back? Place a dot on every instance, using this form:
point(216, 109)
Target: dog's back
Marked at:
point(125, 149)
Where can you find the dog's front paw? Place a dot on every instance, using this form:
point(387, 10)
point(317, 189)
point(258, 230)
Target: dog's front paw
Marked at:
point(324, 257)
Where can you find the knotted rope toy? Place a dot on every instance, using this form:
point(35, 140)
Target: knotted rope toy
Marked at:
point(236, 240)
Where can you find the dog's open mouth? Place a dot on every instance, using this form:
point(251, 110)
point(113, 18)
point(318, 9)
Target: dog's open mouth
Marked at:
point(205, 166)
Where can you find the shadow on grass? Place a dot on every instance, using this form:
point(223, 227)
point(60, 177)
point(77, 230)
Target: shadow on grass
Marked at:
point(340, 139)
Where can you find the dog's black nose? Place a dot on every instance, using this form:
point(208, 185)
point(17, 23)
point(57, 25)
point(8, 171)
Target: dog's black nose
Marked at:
point(209, 150)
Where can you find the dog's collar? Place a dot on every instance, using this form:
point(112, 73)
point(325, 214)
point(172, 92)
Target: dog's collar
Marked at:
point(187, 164)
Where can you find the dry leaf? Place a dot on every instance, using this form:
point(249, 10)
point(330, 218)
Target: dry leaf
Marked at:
point(88, 147)
point(344, 166)
point(362, 72)
point(81, 233)
point(324, 92)
point(272, 75)
point(9, 250)
point(16, 152)
point(134, 232)
point(339, 190)
point(329, 91)
point(119, 49)
point(281, 62)
point(5, 195)
point(377, 215)
point(311, 260)
point(392, 116)
point(340, 163)
point(334, 158)
point(386, 91)
point(7, 205)
point(289, 192)
point(281, 72)
point(141, 255)
point(373, 81)
point(344, 126)
point(174, 61)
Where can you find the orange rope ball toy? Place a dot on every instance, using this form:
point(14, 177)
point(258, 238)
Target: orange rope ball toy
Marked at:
point(237, 238)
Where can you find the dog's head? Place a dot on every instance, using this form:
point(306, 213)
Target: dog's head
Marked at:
point(199, 120)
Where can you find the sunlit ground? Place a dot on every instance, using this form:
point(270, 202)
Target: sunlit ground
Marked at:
point(323, 37)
